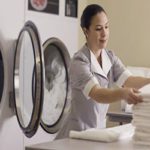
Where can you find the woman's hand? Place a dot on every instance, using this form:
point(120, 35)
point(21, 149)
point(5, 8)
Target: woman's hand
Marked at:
point(131, 95)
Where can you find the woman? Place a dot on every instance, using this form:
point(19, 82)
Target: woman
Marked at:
point(93, 71)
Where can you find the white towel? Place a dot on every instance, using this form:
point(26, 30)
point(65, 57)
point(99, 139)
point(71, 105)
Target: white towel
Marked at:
point(141, 105)
point(145, 89)
point(142, 143)
point(138, 115)
point(140, 140)
point(104, 135)
point(143, 112)
point(95, 135)
point(145, 94)
point(143, 130)
point(141, 137)
point(140, 123)
point(138, 126)
point(141, 118)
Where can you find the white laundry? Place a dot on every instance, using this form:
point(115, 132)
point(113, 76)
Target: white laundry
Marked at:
point(145, 94)
point(141, 118)
point(143, 143)
point(104, 135)
point(141, 127)
point(143, 130)
point(96, 135)
point(141, 105)
point(145, 90)
point(143, 136)
point(138, 115)
point(141, 139)
point(141, 112)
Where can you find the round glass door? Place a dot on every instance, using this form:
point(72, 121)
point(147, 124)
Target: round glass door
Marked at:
point(1, 75)
point(56, 60)
point(28, 79)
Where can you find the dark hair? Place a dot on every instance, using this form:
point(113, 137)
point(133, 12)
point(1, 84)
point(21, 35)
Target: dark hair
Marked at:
point(88, 13)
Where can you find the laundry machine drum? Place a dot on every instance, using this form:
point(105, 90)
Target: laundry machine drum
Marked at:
point(56, 60)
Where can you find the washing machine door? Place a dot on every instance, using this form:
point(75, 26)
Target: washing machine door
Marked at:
point(28, 79)
point(56, 60)
point(1, 74)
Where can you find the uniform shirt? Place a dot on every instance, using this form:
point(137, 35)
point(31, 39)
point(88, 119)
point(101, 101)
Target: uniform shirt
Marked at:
point(85, 72)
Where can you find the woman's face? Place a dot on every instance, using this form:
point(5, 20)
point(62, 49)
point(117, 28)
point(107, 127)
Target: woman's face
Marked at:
point(98, 32)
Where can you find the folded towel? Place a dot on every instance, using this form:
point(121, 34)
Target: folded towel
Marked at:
point(145, 95)
point(142, 109)
point(142, 143)
point(141, 112)
point(138, 115)
point(141, 105)
point(139, 123)
point(104, 135)
point(146, 129)
point(141, 137)
point(145, 89)
point(138, 126)
point(95, 135)
point(140, 140)
point(142, 130)
point(141, 118)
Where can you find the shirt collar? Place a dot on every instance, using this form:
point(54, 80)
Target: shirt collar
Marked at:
point(106, 64)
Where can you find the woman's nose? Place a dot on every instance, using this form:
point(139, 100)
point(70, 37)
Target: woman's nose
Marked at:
point(104, 32)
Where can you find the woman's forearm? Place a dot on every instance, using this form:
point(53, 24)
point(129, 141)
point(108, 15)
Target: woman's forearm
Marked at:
point(104, 95)
point(136, 82)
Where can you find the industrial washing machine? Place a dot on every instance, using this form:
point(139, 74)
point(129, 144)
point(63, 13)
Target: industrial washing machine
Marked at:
point(37, 85)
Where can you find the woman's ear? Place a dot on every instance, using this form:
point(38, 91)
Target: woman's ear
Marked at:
point(85, 32)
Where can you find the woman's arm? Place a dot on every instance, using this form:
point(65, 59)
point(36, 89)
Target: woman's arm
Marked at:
point(136, 82)
point(105, 95)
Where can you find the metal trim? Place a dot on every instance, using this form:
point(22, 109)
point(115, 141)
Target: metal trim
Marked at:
point(32, 127)
point(66, 59)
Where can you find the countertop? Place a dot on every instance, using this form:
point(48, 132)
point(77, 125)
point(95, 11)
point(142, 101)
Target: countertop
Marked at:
point(74, 144)
point(124, 142)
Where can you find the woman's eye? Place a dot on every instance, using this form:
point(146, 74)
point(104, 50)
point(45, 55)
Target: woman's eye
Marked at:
point(98, 29)
point(106, 27)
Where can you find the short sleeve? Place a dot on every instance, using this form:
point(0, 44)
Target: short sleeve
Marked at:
point(81, 77)
point(120, 72)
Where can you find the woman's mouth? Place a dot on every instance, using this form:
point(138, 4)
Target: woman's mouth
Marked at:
point(103, 41)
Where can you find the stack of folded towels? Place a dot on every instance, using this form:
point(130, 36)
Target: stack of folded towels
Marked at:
point(141, 118)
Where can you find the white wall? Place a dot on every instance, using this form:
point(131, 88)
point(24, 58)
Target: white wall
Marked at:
point(49, 25)
point(129, 29)
point(13, 14)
